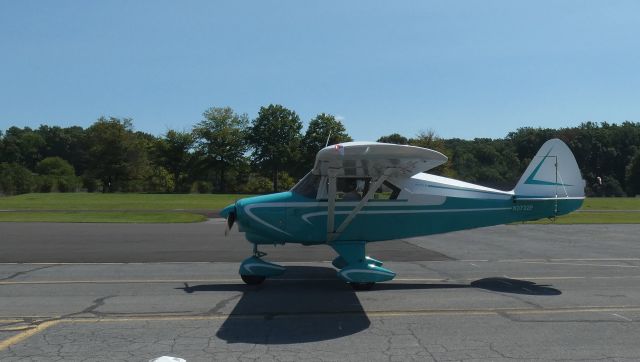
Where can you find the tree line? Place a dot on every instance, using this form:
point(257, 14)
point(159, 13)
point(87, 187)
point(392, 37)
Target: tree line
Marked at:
point(228, 152)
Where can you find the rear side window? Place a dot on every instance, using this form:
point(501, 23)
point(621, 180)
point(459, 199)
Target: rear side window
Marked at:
point(387, 191)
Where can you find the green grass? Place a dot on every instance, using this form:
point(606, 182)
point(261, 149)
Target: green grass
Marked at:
point(99, 201)
point(134, 208)
point(611, 203)
point(102, 217)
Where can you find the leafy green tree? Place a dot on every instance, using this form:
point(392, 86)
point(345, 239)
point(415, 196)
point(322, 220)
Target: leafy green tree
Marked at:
point(174, 153)
point(633, 175)
point(323, 129)
point(484, 161)
point(22, 146)
point(274, 137)
point(429, 139)
point(395, 138)
point(68, 143)
point(55, 166)
point(117, 156)
point(56, 174)
point(220, 140)
point(159, 180)
point(15, 179)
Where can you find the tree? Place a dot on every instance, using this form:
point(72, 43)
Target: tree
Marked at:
point(117, 157)
point(220, 139)
point(15, 179)
point(429, 139)
point(324, 127)
point(275, 139)
point(174, 152)
point(21, 146)
point(56, 173)
point(633, 175)
point(68, 143)
point(395, 138)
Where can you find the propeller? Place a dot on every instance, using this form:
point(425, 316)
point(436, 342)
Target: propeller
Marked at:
point(231, 219)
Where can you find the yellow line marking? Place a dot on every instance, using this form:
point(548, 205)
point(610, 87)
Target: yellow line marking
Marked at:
point(19, 327)
point(26, 334)
point(11, 320)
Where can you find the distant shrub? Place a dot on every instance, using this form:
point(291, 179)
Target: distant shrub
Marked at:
point(285, 182)
point(56, 174)
point(89, 183)
point(159, 180)
point(202, 187)
point(15, 179)
point(633, 175)
point(257, 184)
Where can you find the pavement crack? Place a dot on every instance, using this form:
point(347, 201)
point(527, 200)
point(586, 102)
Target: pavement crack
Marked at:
point(97, 303)
point(221, 304)
point(17, 274)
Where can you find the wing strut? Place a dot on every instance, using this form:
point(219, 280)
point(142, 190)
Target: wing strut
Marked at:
point(331, 234)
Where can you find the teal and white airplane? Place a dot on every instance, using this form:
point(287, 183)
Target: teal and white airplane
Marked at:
point(361, 192)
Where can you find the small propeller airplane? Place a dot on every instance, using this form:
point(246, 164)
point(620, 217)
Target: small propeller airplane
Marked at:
point(361, 192)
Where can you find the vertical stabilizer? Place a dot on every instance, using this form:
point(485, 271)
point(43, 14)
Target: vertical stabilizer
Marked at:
point(553, 172)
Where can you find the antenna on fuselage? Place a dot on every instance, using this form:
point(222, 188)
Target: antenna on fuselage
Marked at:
point(329, 136)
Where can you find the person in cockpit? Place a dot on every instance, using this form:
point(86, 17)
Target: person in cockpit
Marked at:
point(352, 193)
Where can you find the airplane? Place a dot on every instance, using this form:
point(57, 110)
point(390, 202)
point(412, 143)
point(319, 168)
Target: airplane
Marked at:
point(362, 192)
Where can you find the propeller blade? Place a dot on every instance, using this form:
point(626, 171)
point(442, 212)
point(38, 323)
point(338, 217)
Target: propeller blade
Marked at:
point(231, 219)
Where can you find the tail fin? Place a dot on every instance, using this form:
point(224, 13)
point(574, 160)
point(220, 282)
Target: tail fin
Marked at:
point(552, 173)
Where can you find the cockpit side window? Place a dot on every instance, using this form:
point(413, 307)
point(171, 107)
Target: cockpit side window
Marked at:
point(308, 186)
point(354, 189)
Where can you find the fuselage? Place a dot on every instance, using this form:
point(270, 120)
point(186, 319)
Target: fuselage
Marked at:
point(426, 204)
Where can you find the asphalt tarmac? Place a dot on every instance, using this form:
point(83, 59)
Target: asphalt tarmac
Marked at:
point(132, 243)
point(517, 292)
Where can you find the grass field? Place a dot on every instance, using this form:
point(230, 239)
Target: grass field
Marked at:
point(99, 201)
point(102, 217)
point(611, 203)
point(137, 208)
point(97, 207)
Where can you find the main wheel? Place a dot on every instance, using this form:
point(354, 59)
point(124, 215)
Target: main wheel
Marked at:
point(253, 279)
point(362, 286)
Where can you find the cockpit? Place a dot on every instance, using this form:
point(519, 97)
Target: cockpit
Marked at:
point(347, 188)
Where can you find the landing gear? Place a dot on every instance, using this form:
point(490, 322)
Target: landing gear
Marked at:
point(357, 269)
point(254, 270)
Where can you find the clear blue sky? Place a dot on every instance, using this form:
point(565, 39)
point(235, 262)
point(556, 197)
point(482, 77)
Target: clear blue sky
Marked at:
point(462, 68)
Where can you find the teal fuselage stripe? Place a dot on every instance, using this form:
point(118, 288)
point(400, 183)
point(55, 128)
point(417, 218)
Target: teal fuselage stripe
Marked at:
point(294, 219)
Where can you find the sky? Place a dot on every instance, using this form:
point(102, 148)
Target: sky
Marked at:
point(463, 69)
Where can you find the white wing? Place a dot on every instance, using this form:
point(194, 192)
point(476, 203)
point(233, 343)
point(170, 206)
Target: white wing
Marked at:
point(372, 159)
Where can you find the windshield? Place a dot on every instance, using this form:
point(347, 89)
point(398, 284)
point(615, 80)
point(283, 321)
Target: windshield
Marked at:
point(308, 186)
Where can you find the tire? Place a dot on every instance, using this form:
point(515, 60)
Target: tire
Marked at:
point(362, 286)
point(253, 279)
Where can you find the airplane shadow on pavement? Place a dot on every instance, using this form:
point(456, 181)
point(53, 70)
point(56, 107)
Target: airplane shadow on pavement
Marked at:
point(310, 303)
